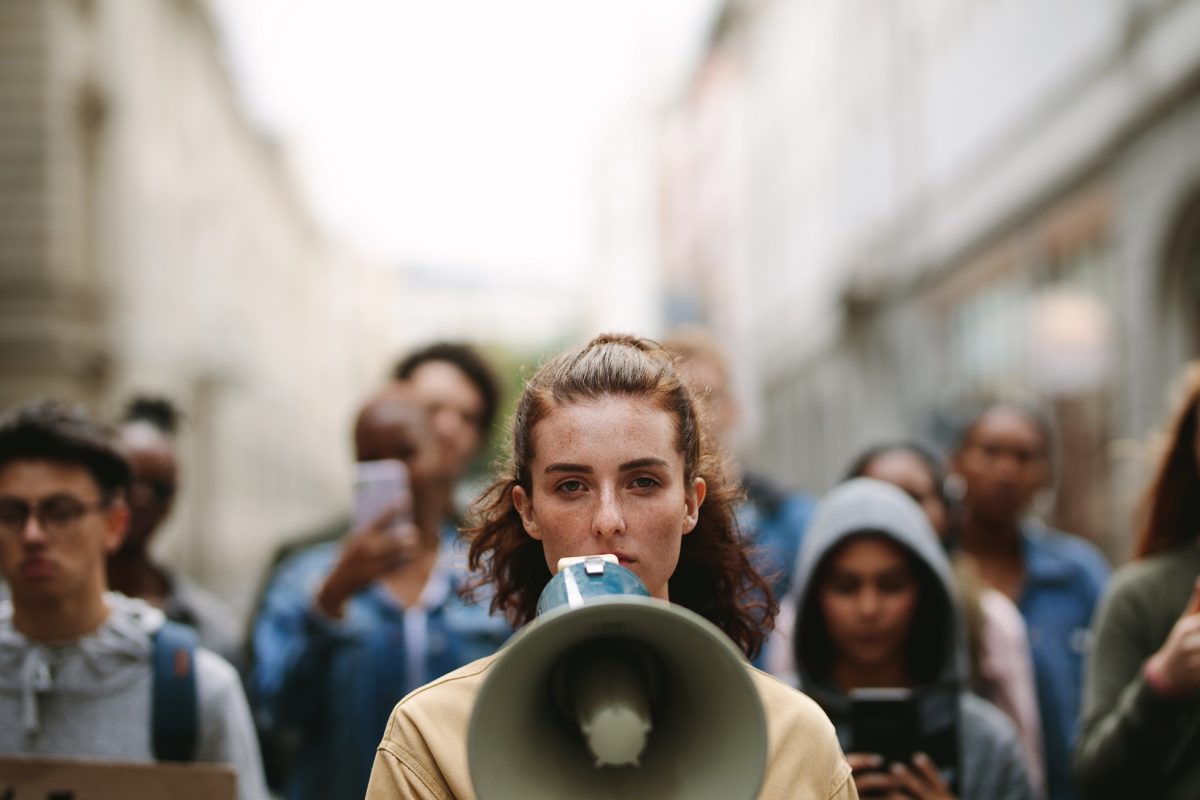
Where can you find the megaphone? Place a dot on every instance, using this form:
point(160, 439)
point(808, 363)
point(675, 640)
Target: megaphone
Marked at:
point(610, 693)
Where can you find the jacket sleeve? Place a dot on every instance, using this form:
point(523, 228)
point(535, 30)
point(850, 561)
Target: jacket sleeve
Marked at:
point(1126, 727)
point(394, 779)
point(293, 648)
point(226, 731)
point(847, 790)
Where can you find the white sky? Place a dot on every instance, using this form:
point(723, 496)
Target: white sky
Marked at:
point(460, 133)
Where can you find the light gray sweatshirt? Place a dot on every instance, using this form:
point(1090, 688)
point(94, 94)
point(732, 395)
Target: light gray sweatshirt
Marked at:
point(990, 759)
point(91, 698)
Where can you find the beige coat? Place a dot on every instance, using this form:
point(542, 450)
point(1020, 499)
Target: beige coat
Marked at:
point(424, 750)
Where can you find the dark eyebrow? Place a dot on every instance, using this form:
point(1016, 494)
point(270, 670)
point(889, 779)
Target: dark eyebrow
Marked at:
point(638, 463)
point(642, 462)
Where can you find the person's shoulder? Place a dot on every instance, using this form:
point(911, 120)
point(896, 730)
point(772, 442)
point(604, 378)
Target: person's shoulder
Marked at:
point(984, 722)
point(805, 758)
point(771, 689)
point(215, 677)
point(992, 756)
point(305, 565)
point(451, 695)
point(1169, 565)
point(792, 713)
point(1151, 585)
point(1135, 577)
point(1069, 549)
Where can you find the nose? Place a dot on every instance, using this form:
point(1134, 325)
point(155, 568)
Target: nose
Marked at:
point(608, 521)
point(868, 602)
point(32, 532)
point(448, 424)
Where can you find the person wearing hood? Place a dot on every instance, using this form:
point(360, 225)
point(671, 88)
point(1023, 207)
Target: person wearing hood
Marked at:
point(76, 662)
point(875, 610)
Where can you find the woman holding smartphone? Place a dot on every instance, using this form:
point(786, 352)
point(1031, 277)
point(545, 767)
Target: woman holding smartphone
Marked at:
point(875, 610)
point(608, 456)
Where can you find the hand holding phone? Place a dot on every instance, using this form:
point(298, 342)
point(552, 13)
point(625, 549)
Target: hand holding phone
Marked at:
point(381, 490)
point(382, 539)
point(890, 742)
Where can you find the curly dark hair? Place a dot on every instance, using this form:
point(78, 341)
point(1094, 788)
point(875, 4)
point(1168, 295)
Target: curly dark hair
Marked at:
point(714, 577)
point(54, 431)
point(469, 362)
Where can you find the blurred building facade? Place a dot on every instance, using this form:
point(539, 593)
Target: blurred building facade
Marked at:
point(152, 240)
point(500, 312)
point(885, 208)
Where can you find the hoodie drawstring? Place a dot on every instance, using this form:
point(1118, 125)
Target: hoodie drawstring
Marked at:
point(35, 678)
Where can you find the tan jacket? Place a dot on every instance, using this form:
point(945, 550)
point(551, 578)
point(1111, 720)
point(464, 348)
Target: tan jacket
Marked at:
point(424, 750)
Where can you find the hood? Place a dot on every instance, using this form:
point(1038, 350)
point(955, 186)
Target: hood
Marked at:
point(100, 663)
point(865, 505)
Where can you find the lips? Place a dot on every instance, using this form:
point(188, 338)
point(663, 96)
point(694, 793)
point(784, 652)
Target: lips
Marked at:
point(623, 559)
point(35, 568)
point(872, 641)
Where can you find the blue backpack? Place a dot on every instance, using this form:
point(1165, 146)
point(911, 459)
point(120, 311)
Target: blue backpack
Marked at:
point(175, 722)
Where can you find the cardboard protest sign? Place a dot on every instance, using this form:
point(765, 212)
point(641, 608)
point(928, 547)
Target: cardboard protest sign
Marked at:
point(30, 778)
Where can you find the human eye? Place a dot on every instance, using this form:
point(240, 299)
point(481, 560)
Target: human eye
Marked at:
point(570, 486)
point(843, 584)
point(12, 513)
point(644, 482)
point(61, 510)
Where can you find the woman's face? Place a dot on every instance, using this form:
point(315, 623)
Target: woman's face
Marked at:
point(868, 597)
point(1003, 461)
point(606, 477)
point(909, 472)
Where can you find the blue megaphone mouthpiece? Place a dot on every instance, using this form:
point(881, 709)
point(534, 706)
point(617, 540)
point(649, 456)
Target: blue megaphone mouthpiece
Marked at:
point(585, 578)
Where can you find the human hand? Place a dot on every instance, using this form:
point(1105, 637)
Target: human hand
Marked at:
point(870, 777)
point(368, 553)
point(922, 781)
point(1175, 668)
point(899, 782)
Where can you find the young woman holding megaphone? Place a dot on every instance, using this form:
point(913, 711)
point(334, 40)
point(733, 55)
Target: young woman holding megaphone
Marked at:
point(609, 456)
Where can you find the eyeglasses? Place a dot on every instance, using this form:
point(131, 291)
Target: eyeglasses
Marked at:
point(56, 515)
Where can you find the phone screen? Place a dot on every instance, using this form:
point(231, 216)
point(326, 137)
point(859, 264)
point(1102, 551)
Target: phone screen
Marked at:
point(378, 486)
point(885, 723)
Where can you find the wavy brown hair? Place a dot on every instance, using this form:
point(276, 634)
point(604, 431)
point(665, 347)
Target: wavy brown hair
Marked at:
point(714, 577)
point(1169, 512)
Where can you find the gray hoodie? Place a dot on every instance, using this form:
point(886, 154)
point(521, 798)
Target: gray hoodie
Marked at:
point(91, 698)
point(990, 762)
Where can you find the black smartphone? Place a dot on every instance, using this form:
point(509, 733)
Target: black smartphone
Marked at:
point(885, 722)
point(898, 723)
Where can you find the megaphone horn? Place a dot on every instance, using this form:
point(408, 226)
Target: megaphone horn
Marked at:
point(611, 693)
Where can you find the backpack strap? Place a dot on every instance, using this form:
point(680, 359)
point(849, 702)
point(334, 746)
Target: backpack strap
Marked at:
point(175, 719)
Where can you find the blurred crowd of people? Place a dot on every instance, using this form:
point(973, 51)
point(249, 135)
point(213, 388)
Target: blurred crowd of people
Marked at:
point(1032, 672)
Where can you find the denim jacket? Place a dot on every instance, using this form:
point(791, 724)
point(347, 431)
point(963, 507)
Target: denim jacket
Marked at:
point(333, 683)
point(1064, 577)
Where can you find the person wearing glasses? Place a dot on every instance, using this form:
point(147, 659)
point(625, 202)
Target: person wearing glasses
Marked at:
point(147, 437)
point(77, 661)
